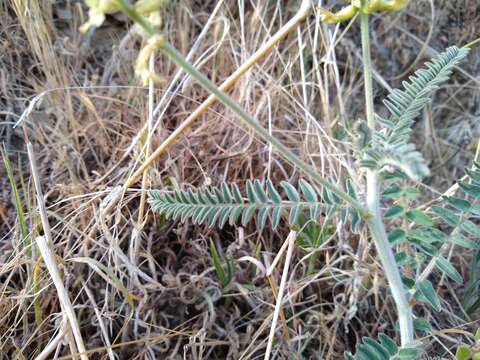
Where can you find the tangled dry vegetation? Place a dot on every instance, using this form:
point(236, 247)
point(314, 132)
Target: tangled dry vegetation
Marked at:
point(149, 290)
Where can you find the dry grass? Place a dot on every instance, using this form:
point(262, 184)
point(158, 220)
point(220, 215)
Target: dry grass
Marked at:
point(145, 288)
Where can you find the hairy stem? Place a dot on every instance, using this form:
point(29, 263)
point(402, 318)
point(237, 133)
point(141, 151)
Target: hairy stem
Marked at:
point(226, 100)
point(375, 224)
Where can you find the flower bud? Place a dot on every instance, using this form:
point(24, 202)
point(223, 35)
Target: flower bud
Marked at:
point(146, 7)
point(333, 18)
point(366, 7)
point(384, 5)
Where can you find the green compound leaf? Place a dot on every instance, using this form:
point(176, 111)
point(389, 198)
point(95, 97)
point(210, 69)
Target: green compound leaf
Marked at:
point(409, 353)
point(215, 206)
point(447, 215)
point(388, 343)
point(428, 235)
point(401, 258)
point(393, 192)
point(383, 349)
point(472, 190)
point(460, 240)
point(459, 204)
point(391, 147)
point(470, 228)
point(405, 105)
point(474, 174)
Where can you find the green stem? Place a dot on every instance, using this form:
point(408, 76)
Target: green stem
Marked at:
point(473, 43)
point(133, 14)
point(367, 71)
point(375, 224)
point(226, 100)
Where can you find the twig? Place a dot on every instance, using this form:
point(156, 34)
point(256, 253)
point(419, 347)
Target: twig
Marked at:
point(100, 321)
point(47, 350)
point(44, 244)
point(291, 241)
point(274, 287)
point(143, 196)
point(277, 258)
point(151, 94)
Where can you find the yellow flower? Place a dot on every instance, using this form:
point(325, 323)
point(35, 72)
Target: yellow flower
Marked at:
point(384, 5)
point(97, 9)
point(146, 7)
point(153, 18)
point(344, 14)
point(369, 7)
point(141, 67)
point(96, 12)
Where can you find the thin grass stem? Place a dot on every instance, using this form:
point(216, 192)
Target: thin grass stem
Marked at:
point(45, 244)
point(278, 306)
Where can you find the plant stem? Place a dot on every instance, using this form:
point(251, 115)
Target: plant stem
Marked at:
point(473, 43)
point(375, 224)
point(226, 100)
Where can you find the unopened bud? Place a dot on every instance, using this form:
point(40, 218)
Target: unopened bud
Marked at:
point(373, 6)
point(333, 18)
point(146, 7)
point(366, 7)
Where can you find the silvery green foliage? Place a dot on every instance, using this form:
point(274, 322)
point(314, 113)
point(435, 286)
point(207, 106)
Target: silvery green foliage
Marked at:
point(390, 146)
point(449, 221)
point(454, 214)
point(379, 150)
point(383, 349)
point(219, 205)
